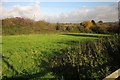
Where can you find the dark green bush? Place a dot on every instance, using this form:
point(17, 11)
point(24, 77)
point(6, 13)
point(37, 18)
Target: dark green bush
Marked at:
point(91, 60)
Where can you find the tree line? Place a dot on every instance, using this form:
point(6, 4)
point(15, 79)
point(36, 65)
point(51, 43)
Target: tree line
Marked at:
point(19, 25)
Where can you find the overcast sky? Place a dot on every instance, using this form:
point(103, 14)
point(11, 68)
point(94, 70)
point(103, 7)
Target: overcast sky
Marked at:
point(61, 11)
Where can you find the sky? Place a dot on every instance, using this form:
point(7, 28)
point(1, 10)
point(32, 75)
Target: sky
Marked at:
point(70, 12)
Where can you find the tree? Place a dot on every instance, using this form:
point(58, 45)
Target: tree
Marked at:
point(87, 24)
point(100, 21)
point(68, 28)
point(58, 26)
point(102, 28)
point(94, 23)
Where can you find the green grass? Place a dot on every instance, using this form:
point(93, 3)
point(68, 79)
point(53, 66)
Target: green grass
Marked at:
point(21, 51)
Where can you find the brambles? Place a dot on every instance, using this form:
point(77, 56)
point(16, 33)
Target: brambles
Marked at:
point(91, 60)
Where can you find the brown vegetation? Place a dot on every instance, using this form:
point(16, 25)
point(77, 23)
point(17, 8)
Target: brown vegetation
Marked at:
point(18, 25)
point(87, 24)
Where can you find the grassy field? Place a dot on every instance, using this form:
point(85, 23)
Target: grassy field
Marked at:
point(21, 51)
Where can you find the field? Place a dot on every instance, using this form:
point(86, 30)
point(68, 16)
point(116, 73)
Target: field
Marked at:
point(20, 52)
point(59, 41)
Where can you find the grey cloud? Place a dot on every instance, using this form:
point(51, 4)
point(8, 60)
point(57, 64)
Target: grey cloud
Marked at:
point(106, 13)
point(22, 11)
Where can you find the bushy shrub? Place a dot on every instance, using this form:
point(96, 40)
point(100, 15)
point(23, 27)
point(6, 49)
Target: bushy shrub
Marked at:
point(109, 27)
point(102, 28)
point(84, 30)
point(87, 24)
point(114, 28)
point(12, 26)
point(91, 60)
point(100, 21)
point(93, 22)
